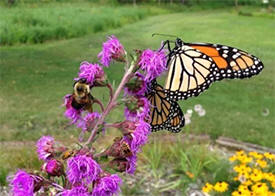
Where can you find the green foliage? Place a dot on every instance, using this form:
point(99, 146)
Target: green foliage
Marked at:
point(23, 156)
point(3, 176)
point(154, 156)
point(182, 163)
point(38, 23)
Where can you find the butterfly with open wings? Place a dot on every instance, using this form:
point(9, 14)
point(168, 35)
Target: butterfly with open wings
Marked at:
point(192, 68)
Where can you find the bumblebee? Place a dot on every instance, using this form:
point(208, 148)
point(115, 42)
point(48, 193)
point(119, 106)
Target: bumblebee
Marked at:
point(82, 98)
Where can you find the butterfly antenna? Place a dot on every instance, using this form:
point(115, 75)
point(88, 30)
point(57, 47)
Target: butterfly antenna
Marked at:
point(164, 35)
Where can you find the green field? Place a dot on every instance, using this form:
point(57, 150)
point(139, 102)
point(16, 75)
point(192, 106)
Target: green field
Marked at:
point(37, 23)
point(34, 78)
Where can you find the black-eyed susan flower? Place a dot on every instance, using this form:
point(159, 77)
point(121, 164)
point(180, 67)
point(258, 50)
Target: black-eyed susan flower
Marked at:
point(221, 186)
point(260, 188)
point(242, 168)
point(247, 183)
point(256, 155)
point(243, 176)
point(207, 188)
point(269, 176)
point(245, 159)
point(269, 156)
point(256, 176)
point(233, 158)
point(237, 193)
point(261, 163)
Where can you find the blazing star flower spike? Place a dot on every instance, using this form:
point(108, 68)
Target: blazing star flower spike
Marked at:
point(112, 49)
point(140, 136)
point(137, 139)
point(45, 147)
point(22, 184)
point(132, 162)
point(153, 63)
point(107, 186)
point(91, 72)
point(82, 169)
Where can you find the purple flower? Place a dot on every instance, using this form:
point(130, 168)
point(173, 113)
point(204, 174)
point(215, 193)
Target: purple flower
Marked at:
point(76, 191)
point(140, 136)
point(22, 184)
point(90, 72)
point(136, 86)
point(112, 49)
point(107, 186)
point(137, 109)
point(136, 140)
point(53, 167)
point(153, 63)
point(88, 121)
point(45, 147)
point(132, 162)
point(71, 113)
point(82, 168)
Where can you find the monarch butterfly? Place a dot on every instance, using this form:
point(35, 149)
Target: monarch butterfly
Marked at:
point(164, 113)
point(194, 66)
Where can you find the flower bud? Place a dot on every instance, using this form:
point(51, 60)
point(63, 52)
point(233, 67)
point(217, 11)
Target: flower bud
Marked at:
point(119, 164)
point(136, 86)
point(137, 108)
point(53, 167)
point(128, 127)
point(119, 149)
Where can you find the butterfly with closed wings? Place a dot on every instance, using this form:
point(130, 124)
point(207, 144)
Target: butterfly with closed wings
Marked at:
point(192, 68)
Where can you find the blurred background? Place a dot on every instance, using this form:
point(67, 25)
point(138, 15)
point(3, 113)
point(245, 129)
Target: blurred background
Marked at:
point(42, 43)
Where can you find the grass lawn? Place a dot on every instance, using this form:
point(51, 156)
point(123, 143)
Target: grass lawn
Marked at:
point(38, 22)
point(34, 78)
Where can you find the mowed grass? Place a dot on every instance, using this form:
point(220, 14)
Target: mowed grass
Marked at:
point(34, 78)
point(37, 23)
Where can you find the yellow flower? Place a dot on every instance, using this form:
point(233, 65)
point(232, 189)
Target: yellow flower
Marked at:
point(244, 189)
point(237, 193)
point(262, 163)
point(247, 183)
point(221, 187)
point(241, 193)
point(270, 156)
point(256, 177)
point(273, 184)
point(256, 155)
point(271, 194)
point(243, 158)
point(233, 158)
point(240, 153)
point(260, 188)
point(269, 176)
point(243, 176)
point(242, 168)
point(207, 188)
